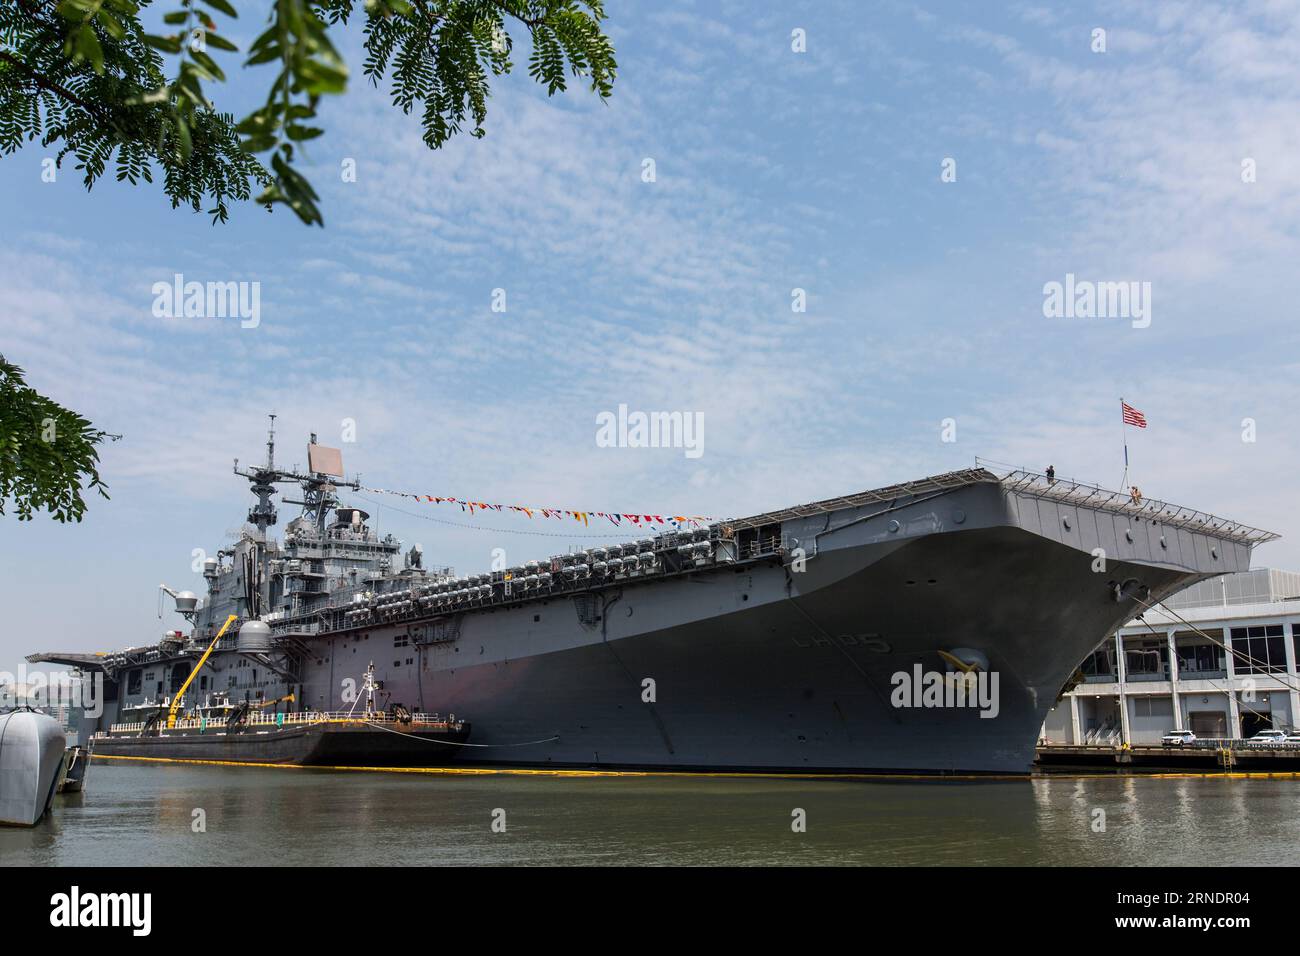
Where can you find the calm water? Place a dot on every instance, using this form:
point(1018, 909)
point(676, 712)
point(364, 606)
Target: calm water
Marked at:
point(142, 815)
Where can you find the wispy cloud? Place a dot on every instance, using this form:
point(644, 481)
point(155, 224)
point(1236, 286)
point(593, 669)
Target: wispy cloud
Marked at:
point(774, 171)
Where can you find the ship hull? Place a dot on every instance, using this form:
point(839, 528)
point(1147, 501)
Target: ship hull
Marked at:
point(806, 641)
point(811, 683)
point(785, 665)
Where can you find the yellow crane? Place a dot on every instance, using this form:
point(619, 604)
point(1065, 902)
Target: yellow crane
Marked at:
point(180, 694)
point(263, 704)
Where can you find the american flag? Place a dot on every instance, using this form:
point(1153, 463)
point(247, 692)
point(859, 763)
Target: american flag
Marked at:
point(1132, 416)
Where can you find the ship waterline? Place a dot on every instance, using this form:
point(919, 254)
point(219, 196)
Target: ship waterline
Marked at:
point(769, 643)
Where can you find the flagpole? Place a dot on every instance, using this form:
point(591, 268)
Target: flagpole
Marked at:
point(1123, 424)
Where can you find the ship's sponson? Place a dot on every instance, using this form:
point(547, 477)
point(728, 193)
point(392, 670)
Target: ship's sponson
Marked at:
point(1150, 531)
point(1024, 484)
point(1056, 509)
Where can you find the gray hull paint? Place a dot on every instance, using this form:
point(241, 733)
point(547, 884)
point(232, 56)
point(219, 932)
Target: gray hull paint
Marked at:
point(31, 758)
point(763, 666)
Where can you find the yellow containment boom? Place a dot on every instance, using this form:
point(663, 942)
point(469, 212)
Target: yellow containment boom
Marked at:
point(180, 694)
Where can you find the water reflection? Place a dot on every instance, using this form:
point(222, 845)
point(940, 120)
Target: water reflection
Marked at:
point(133, 814)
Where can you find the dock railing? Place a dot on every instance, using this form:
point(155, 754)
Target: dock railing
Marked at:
point(1111, 741)
point(1233, 743)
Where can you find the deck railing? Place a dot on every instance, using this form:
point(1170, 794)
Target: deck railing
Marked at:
point(1089, 495)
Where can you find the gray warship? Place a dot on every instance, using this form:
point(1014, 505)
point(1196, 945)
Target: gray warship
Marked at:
point(771, 643)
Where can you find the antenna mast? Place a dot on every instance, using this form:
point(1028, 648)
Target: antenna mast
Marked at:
point(270, 445)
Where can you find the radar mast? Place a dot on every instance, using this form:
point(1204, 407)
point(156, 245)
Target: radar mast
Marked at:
point(324, 477)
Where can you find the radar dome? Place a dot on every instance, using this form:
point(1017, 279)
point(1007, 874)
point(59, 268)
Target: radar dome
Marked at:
point(254, 637)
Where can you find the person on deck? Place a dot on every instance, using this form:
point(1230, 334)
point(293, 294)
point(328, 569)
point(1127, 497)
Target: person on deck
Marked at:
point(1051, 474)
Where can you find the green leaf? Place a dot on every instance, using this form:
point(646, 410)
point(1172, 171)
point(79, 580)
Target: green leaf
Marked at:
point(209, 64)
point(438, 56)
point(89, 48)
point(111, 25)
point(224, 7)
point(188, 83)
point(258, 144)
point(73, 11)
point(43, 469)
point(221, 43)
point(264, 55)
point(183, 134)
point(160, 95)
point(166, 44)
point(319, 78)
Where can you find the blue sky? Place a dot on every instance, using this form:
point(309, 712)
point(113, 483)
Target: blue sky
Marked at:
point(775, 170)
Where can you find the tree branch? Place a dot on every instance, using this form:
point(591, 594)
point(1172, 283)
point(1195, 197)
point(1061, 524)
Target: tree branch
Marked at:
point(48, 85)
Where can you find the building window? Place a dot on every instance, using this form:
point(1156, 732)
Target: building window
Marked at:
point(1258, 649)
point(1200, 658)
point(1098, 663)
point(1147, 659)
point(1152, 707)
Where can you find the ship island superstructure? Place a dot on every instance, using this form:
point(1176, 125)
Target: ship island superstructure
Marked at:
point(773, 642)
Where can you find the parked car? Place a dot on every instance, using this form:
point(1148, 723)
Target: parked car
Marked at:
point(1267, 738)
point(1178, 738)
point(1293, 736)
